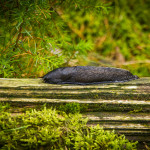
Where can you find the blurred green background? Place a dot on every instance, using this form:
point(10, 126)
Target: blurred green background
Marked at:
point(37, 36)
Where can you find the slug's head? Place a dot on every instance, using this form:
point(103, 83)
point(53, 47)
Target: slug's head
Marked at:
point(136, 77)
point(53, 76)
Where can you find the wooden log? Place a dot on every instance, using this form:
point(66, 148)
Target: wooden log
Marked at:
point(123, 107)
point(34, 88)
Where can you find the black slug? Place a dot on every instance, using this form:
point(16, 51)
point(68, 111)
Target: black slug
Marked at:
point(88, 75)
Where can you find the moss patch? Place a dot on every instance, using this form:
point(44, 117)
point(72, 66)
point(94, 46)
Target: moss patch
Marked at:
point(50, 129)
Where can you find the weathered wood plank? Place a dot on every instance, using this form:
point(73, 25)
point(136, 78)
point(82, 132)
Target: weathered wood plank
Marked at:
point(88, 101)
point(136, 126)
point(91, 104)
point(123, 107)
point(34, 88)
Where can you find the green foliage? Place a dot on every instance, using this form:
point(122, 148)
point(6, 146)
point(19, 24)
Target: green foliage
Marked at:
point(142, 69)
point(73, 108)
point(37, 36)
point(48, 129)
point(4, 107)
point(70, 108)
point(127, 30)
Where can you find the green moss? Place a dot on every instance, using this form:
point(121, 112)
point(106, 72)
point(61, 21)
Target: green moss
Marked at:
point(136, 109)
point(4, 107)
point(49, 129)
point(70, 108)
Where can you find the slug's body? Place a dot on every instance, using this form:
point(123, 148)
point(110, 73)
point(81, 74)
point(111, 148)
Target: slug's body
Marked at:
point(87, 75)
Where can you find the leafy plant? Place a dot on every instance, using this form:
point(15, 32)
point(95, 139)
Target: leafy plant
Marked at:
point(39, 36)
point(36, 36)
